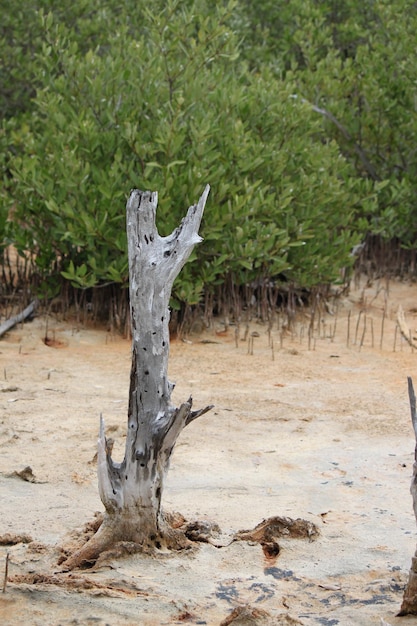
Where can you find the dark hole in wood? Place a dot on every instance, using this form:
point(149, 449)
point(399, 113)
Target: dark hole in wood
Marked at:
point(167, 253)
point(146, 374)
point(157, 545)
point(142, 464)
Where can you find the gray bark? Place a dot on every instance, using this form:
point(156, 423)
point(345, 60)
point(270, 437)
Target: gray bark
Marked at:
point(358, 149)
point(16, 319)
point(409, 604)
point(131, 491)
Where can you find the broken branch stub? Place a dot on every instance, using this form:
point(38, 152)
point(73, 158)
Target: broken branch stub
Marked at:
point(131, 491)
point(404, 329)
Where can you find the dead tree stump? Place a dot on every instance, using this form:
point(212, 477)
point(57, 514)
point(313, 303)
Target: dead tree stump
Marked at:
point(409, 604)
point(131, 491)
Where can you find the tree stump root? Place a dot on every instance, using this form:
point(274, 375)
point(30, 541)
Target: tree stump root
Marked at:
point(275, 527)
point(96, 544)
point(254, 616)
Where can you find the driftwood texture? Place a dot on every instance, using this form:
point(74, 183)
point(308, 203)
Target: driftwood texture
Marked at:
point(16, 319)
point(409, 604)
point(405, 331)
point(131, 491)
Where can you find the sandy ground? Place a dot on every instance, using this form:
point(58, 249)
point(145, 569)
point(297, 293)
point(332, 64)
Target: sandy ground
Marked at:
point(322, 433)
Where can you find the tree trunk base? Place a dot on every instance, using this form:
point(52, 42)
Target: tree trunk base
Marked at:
point(409, 604)
point(114, 539)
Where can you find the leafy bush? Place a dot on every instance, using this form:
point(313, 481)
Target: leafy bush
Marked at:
point(355, 64)
point(170, 99)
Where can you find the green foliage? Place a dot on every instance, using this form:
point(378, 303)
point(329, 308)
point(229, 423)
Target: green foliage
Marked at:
point(354, 63)
point(285, 108)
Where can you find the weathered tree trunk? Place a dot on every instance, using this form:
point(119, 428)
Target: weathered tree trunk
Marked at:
point(131, 491)
point(409, 604)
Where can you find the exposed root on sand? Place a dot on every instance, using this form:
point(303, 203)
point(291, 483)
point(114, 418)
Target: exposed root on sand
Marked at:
point(99, 542)
point(269, 531)
point(250, 616)
point(77, 582)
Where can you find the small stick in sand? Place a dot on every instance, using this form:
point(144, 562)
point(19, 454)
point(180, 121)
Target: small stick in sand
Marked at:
point(6, 571)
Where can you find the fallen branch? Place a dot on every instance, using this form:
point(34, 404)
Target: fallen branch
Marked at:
point(20, 317)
